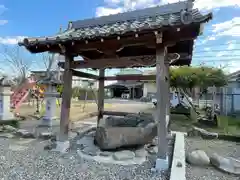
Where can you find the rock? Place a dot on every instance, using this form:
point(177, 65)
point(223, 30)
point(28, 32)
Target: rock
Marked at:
point(131, 120)
point(120, 122)
point(123, 155)
point(198, 157)
point(8, 128)
point(50, 146)
point(24, 133)
point(108, 138)
point(141, 153)
point(154, 142)
point(91, 134)
point(229, 165)
point(81, 146)
point(179, 164)
point(6, 135)
point(195, 131)
point(106, 153)
point(92, 151)
point(47, 135)
point(152, 150)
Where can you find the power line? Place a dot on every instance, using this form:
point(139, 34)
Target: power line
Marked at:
point(222, 44)
point(216, 50)
point(224, 55)
point(219, 60)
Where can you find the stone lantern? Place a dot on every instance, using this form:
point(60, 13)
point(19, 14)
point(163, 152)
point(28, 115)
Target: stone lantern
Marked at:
point(5, 99)
point(51, 96)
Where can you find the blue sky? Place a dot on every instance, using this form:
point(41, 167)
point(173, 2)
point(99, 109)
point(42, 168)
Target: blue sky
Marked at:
point(219, 45)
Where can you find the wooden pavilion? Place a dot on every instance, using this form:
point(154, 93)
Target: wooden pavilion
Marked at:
point(158, 36)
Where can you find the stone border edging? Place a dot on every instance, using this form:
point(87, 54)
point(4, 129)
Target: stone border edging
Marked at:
point(178, 169)
point(229, 138)
point(212, 135)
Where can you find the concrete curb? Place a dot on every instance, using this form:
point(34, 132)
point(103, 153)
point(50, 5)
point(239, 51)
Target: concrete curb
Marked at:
point(178, 169)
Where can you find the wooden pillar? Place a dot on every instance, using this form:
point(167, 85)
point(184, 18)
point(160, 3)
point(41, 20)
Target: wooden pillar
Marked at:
point(213, 100)
point(66, 98)
point(167, 92)
point(100, 95)
point(133, 93)
point(161, 105)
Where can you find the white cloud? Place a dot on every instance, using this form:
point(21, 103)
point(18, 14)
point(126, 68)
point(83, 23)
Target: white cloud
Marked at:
point(2, 10)
point(2, 22)
point(232, 66)
point(228, 28)
point(126, 5)
point(207, 49)
point(113, 2)
point(103, 11)
point(231, 46)
point(227, 24)
point(222, 53)
point(215, 4)
point(11, 40)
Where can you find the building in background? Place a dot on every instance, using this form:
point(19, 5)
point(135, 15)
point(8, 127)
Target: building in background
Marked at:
point(230, 95)
point(128, 89)
point(149, 87)
point(76, 81)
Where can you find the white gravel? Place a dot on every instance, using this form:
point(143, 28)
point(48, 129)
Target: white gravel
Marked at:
point(33, 163)
point(223, 148)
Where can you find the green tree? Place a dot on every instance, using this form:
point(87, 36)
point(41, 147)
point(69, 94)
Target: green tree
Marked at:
point(189, 77)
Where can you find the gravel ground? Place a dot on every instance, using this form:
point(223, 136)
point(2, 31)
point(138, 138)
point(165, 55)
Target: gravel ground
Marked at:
point(223, 148)
point(31, 162)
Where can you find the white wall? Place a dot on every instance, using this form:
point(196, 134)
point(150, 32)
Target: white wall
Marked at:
point(149, 87)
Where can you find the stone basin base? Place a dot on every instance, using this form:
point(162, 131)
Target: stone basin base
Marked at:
point(87, 149)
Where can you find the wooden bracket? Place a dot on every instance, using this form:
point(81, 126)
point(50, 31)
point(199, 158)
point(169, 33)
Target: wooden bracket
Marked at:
point(63, 49)
point(159, 38)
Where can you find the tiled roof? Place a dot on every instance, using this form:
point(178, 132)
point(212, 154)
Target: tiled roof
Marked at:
point(150, 18)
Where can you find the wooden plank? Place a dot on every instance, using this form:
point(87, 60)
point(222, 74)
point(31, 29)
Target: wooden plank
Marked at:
point(101, 95)
point(66, 99)
point(161, 105)
point(84, 75)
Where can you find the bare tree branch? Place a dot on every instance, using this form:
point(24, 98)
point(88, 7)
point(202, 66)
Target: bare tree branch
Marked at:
point(15, 62)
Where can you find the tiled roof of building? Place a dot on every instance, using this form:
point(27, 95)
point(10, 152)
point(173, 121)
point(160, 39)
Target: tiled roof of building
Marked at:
point(159, 17)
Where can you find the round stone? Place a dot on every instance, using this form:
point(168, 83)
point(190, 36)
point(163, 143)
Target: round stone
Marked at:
point(140, 153)
point(105, 153)
point(123, 155)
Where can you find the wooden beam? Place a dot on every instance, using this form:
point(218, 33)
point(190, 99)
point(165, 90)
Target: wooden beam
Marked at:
point(66, 99)
point(161, 104)
point(134, 61)
point(130, 77)
point(166, 62)
point(101, 95)
point(113, 44)
point(113, 63)
point(84, 75)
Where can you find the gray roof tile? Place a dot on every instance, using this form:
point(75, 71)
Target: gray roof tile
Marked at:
point(150, 18)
